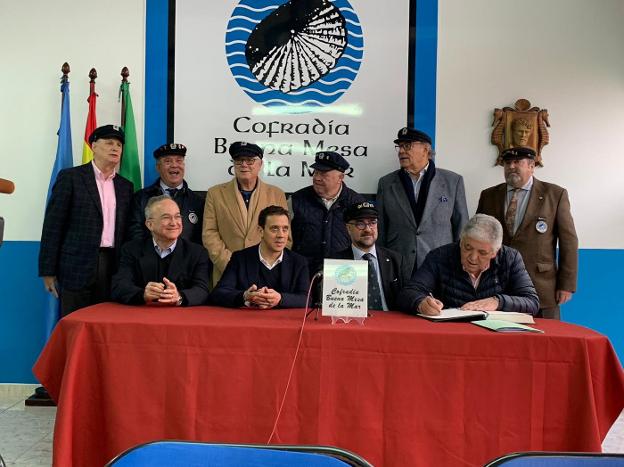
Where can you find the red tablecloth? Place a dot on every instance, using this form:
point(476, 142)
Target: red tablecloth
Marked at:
point(398, 390)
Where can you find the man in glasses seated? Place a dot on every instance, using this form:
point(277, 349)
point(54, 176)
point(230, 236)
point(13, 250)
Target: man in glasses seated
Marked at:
point(232, 209)
point(164, 269)
point(385, 267)
point(421, 206)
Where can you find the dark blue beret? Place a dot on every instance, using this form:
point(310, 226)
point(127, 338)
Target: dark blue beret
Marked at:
point(409, 135)
point(364, 210)
point(244, 149)
point(329, 160)
point(171, 149)
point(108, 132)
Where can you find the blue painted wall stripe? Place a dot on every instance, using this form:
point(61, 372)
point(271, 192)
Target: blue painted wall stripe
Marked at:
point(426, 66)
point(156, 69)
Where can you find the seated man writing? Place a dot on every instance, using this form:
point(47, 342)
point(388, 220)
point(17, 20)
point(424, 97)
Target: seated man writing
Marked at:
point(164, 269)
point(476, 273)
point(266, 275)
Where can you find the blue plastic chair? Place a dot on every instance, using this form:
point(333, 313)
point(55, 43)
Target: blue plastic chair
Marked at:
point(195, 454)
point(558, 459)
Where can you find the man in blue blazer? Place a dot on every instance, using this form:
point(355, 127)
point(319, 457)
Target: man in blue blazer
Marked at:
point(84, 225)
point(421, 206)
point(266, 275)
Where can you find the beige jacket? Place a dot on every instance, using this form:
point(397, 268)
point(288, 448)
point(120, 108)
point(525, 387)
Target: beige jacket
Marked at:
point(229, 226)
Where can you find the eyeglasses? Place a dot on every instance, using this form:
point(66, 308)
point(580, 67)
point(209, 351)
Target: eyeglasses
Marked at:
point(169, 218)
point(245, 161)
point(406, 146)
point(360, 225)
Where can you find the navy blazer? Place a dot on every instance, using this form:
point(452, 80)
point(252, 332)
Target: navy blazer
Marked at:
point(73, 223)
point(189, 270)
point(243, 270)
point(391, 269)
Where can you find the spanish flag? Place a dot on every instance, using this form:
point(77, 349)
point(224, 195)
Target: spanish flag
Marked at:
point(87, 152)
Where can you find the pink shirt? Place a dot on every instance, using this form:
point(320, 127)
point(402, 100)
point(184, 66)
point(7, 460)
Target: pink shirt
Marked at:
point(106, 188)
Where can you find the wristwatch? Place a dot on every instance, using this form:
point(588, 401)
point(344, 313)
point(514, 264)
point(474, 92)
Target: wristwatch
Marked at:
point(180, 300)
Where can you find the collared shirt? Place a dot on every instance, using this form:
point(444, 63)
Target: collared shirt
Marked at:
point(164, 187)
point(164, 252)
point(266, 263)
point(476, 279)
point(330, 202)
point(416, 182)
point(106, 189)
point(357, 254)
point(523, 201)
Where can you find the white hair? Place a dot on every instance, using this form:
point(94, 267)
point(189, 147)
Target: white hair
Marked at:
point(484, 228)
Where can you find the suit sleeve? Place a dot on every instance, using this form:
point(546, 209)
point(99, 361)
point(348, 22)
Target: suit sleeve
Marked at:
point(124, 288)
point(227, 292)
point(520, 295)
point(422, 282)
point(381, 222)
point(136, 222)
point(460, 210)
point(568, 246)
point(211, 238)
point(197, 293)
point(54, 224)
point(301, 282)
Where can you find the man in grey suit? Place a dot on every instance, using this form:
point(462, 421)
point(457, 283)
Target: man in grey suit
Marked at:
point(421, 207)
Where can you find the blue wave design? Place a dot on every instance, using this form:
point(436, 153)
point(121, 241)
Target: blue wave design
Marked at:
point(245, 18)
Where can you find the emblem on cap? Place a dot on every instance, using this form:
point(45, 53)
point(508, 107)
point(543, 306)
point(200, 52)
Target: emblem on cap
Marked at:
point(365, 204)
point(404, 131)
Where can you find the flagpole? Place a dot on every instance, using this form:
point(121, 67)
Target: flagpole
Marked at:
point(63, 160)
point(124, 79)
point(87, 152)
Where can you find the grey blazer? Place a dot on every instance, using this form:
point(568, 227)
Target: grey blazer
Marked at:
point(443, 218)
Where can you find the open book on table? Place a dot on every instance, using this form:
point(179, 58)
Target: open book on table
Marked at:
point(455, 314)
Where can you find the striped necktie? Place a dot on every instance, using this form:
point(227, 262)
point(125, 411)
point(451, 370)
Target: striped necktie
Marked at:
point(512, 209)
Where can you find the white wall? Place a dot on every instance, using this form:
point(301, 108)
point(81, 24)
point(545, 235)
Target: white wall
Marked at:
point(37, 37)
point(563, 55)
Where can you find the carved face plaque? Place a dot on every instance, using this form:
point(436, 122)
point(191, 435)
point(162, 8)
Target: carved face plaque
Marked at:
point(522, 125)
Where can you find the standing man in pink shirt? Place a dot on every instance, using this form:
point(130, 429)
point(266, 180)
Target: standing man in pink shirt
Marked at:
point(84, 225)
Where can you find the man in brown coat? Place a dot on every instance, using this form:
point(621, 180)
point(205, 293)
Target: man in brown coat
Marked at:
point(232, 209)
point(535, 216)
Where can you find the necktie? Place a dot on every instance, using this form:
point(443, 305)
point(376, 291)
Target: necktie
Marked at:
point(172, 192)
point(374, 295)
point(512, 209)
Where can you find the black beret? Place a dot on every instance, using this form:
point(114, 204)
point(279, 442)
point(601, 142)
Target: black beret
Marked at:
point(329, 160)
point(171, 149)
point(365, 210)
point(408, 135)
point(520, 152)
point(108, 132)
point(242, 149)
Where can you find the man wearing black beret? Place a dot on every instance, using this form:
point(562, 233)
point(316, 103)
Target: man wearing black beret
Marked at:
point(232, 209)
point(318, 228)
point(536, 218)
point(84, 225)
point(385, 267)
point(170, 164)
point(421, 206)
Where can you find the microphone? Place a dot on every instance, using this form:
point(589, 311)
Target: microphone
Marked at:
point(6, 186)
point(311, 299)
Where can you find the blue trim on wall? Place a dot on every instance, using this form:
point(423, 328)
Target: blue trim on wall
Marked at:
point(597, 304)
point(156, 78)
point(426, 66)
point(22, 332)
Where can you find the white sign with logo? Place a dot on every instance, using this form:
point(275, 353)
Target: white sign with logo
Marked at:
point(345, 288)
point(295, 77)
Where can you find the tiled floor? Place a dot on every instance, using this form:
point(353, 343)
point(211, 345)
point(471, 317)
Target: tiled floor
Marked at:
point(26, 432)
